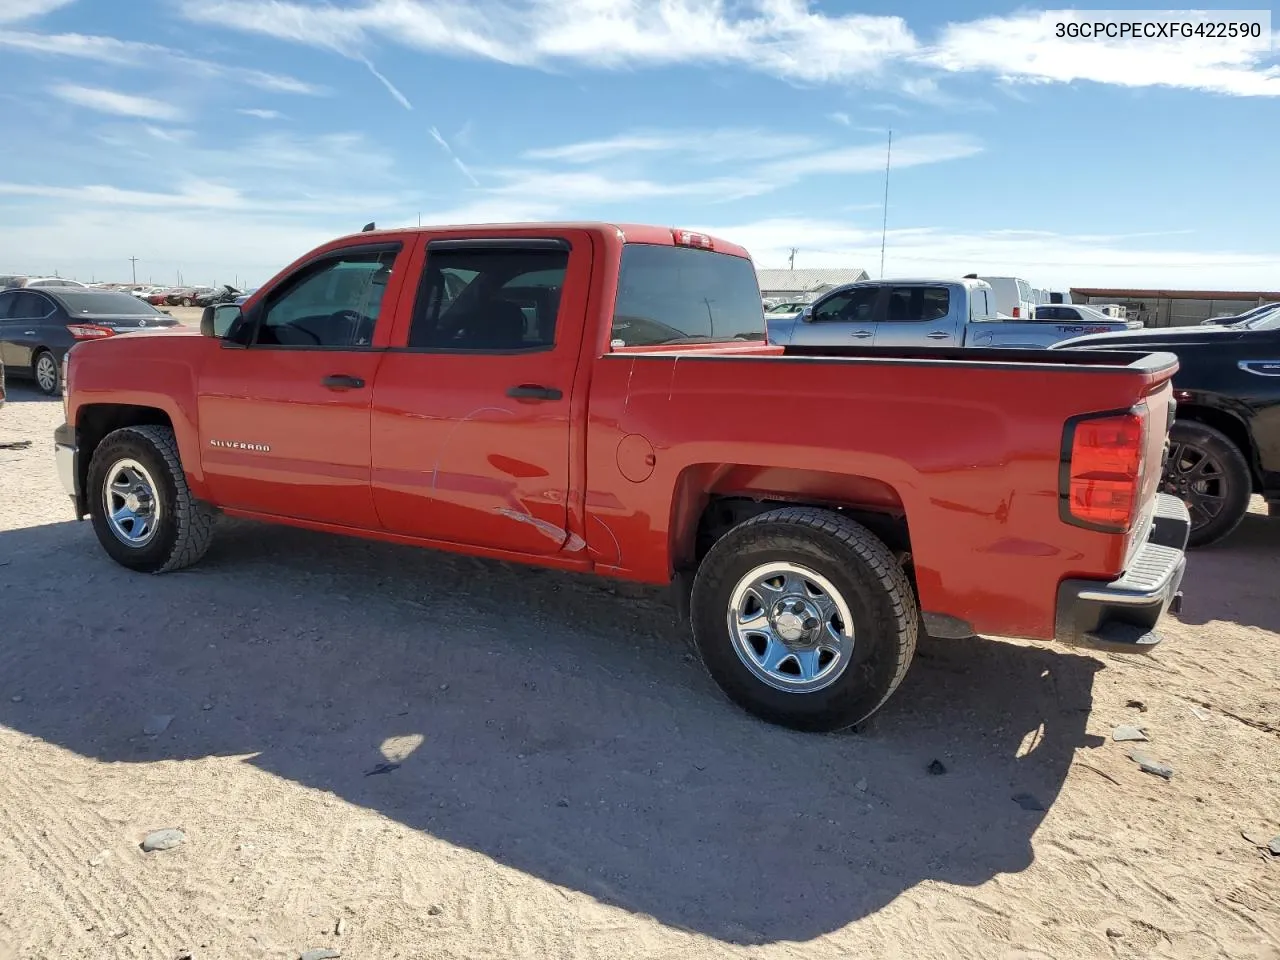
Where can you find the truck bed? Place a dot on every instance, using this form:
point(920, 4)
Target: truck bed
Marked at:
point(989, 357)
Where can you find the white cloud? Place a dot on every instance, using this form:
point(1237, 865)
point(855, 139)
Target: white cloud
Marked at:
point(1024, 47)
point(261, 114)
point(765, 167)
point(392, 89)
point(725, 145)
point(111, 101)
point(456, 160)
point(11, 11)
point(841, 118)
point(780, 37)
point(789, 39)
point(131, 53)
point(1043, 258)
point(910, 151)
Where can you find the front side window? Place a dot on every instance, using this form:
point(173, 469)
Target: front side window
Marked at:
point(489, 299)
point(852, 306)
point(332, 303)
point(7, 301)
point(917, 304)
point(684, 295)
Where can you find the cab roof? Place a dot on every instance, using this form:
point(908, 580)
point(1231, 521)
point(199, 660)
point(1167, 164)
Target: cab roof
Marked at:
point(625, 232)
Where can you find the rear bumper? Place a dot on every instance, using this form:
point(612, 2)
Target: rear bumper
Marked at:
point(66, 454)
point(1121, 616)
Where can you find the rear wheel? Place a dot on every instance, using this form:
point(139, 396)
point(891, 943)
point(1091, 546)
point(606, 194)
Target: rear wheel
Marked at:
point(186, 301)
point(1208, 473)
point(45, 370)
point(142, 511)
point(804, 618)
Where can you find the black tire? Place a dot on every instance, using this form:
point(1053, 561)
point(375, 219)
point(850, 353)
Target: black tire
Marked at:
point(184, 529)
point(865, 573)
point(1211, 476)
point(46, 373)
point(186, 301)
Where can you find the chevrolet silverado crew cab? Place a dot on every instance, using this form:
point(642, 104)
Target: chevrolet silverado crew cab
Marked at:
point(945, 313)
point(603, 399)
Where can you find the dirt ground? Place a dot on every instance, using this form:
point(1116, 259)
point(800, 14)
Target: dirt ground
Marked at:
point(571, 785)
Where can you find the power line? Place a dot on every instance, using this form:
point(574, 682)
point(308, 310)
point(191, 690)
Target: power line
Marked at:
point(133, 263)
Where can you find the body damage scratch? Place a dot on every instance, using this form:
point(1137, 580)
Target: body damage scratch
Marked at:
point(617, 547)
point(572, 542)
point(435, 468)
point(631, 372)
point(671, 384)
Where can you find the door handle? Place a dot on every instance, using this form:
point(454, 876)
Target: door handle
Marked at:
point(534, 391)
point(938, 335)
point(342, 381)
point(860, 334)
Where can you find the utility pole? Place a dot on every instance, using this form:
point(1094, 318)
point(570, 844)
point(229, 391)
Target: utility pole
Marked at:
point(133, 263)
point(792, 258)
point(884, 225)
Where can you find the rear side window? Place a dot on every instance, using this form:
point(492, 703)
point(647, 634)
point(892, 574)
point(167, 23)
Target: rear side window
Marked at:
point(489, 299)
point(917, 304)
point(684, 295)
point(30, 306)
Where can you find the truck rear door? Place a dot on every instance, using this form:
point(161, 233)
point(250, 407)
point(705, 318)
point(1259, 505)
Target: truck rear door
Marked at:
point(921, 315)
point(471, 423)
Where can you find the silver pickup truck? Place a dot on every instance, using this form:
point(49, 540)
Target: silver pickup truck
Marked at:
point(939, 313)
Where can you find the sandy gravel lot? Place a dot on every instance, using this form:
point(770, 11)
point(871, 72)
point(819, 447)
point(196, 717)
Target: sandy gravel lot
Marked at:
point(572, 786)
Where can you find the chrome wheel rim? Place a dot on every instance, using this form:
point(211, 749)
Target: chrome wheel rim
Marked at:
point(132, 506)
point(1198, 479)
point(46, 373)
point(790, 627)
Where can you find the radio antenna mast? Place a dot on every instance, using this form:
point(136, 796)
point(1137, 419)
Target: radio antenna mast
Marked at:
point(884, 225)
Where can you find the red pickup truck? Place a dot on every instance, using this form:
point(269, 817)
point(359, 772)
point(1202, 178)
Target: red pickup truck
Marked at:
point(604, 399)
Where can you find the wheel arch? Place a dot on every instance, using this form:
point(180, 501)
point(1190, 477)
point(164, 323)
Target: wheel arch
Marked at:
point(1230, 425)
point(95, 421)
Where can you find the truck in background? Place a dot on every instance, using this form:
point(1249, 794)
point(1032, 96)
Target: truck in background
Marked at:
point(943, 313)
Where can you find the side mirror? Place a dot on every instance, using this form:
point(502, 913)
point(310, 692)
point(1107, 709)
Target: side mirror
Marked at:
point(216, 320)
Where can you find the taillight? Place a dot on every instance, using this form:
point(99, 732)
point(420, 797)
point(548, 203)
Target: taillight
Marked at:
point(1103, 469)
point(1017, 311)
point(89, 331)
point(687, 238)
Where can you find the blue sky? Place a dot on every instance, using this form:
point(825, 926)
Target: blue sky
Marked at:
point(223, 138)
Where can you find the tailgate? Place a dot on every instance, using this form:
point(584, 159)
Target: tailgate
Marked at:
point(1160, 412)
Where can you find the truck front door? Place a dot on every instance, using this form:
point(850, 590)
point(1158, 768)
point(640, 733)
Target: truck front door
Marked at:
point(844, 318)
point(471, 427)
point(284, 398)
point(916, 315)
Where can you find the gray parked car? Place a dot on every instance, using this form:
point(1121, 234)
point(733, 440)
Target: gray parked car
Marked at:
point(924, 313)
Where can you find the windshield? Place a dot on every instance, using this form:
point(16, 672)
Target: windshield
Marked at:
point(1266, 321)
point(684, 295)
point(107, 304)
point(1088, 313)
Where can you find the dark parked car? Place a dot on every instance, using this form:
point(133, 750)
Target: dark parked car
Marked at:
point(38, 326)
point(223, 294)
point(186, 296)
point(1235, 318)
point(1225, 442)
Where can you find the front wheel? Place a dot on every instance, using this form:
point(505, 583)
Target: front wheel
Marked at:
point(142, 510)
point(804, 618)
point(1208, 473)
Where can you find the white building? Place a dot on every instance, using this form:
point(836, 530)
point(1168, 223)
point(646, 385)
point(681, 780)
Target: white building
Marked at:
point(784, 283)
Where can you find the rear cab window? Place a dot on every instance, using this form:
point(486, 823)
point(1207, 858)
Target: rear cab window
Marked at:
point(676, 294)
